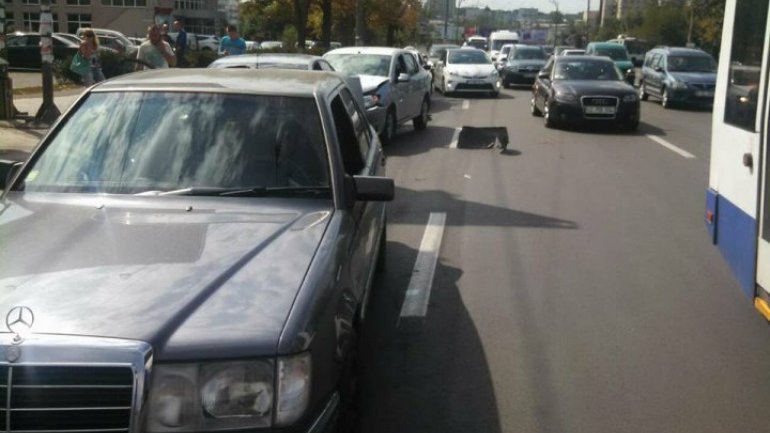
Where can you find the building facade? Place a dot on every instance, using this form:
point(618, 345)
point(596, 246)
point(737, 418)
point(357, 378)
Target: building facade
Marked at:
point(131, 17)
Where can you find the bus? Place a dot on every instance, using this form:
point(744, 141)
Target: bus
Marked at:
point(737, 213)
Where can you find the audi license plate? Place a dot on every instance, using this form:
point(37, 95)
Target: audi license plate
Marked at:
point(704, 94)
point(600, 110)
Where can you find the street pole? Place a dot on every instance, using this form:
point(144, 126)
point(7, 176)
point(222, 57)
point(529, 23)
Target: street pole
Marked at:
point(446, 20)
point(359, 23)
point(48, 112)
point(555, 24)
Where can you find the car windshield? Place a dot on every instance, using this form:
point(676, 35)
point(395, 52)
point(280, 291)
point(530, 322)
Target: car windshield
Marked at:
point(478, 43)
point(529, 54)
point(615, 53)
point(155, 142)
point(586, 70)
point(435, 50)
point(360, 64)
point(691, 64)
point(467, 57)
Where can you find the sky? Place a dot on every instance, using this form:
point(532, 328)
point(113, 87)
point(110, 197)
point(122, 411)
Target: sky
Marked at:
point(568, 6)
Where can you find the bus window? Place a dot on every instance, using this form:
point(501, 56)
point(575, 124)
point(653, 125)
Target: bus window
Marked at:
point(745, 63)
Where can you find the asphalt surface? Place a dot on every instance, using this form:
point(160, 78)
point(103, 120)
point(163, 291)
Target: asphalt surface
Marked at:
point(576, 288)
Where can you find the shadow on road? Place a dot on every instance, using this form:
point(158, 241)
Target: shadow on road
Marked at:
point(410, 142)
point(410, 207)
point(436, 380)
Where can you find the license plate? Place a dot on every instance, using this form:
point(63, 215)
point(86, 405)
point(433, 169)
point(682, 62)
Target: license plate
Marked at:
point(476, 82)
point(600, 110)
point(704, 94)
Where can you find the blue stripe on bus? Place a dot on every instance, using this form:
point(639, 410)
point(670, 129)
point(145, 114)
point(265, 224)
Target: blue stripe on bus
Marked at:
point(736, 237)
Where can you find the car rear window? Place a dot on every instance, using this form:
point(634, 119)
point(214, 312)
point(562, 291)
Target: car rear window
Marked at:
point(132, 142)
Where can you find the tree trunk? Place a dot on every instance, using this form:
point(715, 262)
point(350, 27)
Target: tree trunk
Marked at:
point(326, 26)
point(300, 22)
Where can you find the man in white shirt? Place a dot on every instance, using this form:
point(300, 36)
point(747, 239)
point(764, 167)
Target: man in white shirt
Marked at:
point(155, 53)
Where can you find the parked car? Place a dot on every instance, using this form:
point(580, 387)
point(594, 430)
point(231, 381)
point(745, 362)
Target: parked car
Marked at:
point(584, 90)
point(112, 39)
point(467, 70)
point(70, 37)
point(270, 45)
point(616, 52)
point(222, 232)
point(274, 61)
point(136, 41)
point(23, 50)
point(573, 53)
point(396, 89)
point(523, 64)
point(207, 42)
point(678, 76)
point(437, 51)
point(251, 45)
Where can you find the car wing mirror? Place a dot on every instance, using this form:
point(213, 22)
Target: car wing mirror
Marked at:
point(658, 69)
point(403, 78)
point(8, 171)
point(544, 76)
point(373, 188)
point(631, 77)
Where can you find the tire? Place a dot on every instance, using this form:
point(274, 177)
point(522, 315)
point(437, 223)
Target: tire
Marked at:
point(533, 108)
point(494, 94)
point(547, 119)
point(665, 102)
point(389, 131)
point(421, 121)
point(349, 387)
point(443, 88)
point(643, 95)
point(631, 127)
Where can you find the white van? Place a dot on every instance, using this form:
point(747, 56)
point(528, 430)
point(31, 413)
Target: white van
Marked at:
point(498, 39)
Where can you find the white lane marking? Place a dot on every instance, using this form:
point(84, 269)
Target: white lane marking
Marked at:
point(466, 104)
point(415, 304)
point(455, 138)
point(671, 147)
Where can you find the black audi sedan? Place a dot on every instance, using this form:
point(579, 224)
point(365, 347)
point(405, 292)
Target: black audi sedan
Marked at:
point(582, 91)
point(524, 61)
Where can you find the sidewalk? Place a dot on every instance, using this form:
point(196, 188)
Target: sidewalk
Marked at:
point(17, 138)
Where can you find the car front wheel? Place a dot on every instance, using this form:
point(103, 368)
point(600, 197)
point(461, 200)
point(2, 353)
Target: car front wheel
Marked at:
point(643, 92)
point(421, 121)
point(533, 108)
point(665, 100)
point(547, 118)
point(390, 128)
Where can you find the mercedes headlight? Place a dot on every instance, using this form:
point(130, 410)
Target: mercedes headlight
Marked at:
point(631, 97)
point(676, 84)
point(565, 97)
point(228, 395)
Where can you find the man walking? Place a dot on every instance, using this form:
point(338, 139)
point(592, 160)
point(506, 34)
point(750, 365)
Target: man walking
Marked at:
point(155, 53)
point(232, 44)
point(180, 47)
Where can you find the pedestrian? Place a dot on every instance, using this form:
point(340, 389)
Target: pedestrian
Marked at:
point(89, 51)
point(232, 44)
point(164, 34)
point(180, 47)
point(155, 53)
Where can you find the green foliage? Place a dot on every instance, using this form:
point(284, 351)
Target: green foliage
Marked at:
point(664, 25)
point(289, 38)
point(62, 73)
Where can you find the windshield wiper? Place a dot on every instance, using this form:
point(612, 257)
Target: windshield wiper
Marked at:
point(262, 191)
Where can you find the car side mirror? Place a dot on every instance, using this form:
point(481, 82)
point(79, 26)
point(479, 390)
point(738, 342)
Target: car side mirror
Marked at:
point(502, 59)
point(630, 77)
point(658, 69)
point(544, 76)
point(403, 78)
point(373, 188)
point(427, 66)
point(8, 171)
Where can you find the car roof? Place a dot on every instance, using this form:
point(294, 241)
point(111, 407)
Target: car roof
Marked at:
point(683, 51)
point(368, 50)
point(284, 58)
point(606, 45)
point(245, 81)
point(560, 59)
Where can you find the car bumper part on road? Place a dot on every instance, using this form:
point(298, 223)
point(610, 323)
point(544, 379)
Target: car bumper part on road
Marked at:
point(473, 85)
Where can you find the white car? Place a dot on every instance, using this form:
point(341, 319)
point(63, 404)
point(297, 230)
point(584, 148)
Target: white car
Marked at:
point(396, 89)
point(503, 56)
point(467, 70)
point(207, 42)
point(271, 45)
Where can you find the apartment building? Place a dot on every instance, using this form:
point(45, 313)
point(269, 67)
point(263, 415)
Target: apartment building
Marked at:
point(131, 17)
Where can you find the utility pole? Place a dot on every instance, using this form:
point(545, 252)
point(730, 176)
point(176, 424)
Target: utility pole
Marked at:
point(48, 112)
point(360, 23)
point(555, 24)
point(446, 20)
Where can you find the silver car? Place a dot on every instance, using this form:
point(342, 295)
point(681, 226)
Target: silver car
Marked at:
point(396, 89)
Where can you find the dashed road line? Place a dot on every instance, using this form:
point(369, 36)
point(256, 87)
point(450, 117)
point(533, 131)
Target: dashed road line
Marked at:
point(455, 138)
point(417, 297)
point(671, 147)
point(466, 104)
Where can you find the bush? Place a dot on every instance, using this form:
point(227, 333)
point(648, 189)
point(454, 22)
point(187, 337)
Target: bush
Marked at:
point(201, 59)
point(115, 63)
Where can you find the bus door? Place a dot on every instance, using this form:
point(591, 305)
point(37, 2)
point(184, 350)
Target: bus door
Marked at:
point(763, 242)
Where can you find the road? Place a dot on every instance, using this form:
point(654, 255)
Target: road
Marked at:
point(575, 290)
